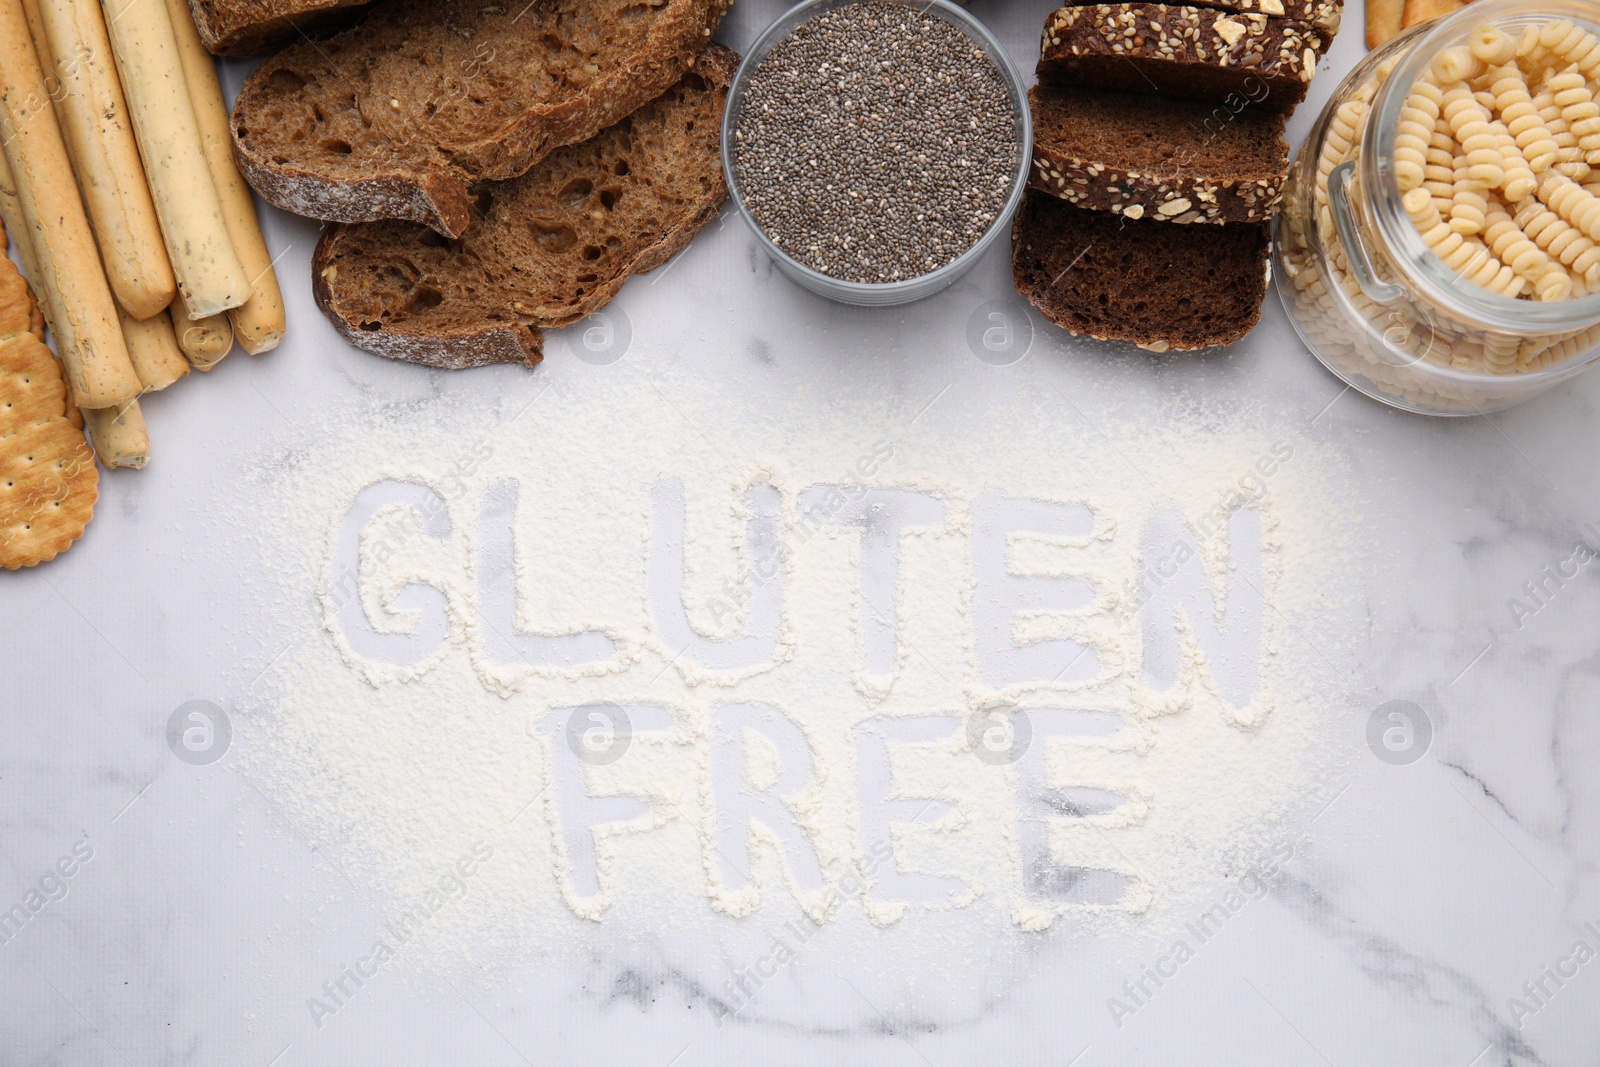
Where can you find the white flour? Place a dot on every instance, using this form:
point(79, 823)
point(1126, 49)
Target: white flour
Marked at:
point(791, 752)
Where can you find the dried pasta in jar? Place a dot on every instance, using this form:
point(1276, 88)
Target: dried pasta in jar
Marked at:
point(1458, 271)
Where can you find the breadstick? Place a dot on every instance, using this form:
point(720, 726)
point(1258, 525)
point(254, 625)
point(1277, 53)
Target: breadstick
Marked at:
point(94, 119)
point(17, 229)
point(259, 322)
point(152, 347)
point(205, 341)
point(1418, 11)
point(154, 350)
point(156, 360)
point(118, 435)
point(210, 277)
point(1383, 20)
point(30, 11)
point(83, 314)
point(10, 206)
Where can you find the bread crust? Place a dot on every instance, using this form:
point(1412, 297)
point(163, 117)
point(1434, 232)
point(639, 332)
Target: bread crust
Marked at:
point(1148, 194)
point(337, 285)
point(246, 27)
point(457, 349)
point(432, 184)
point(1325, 15)
point(1181, 52)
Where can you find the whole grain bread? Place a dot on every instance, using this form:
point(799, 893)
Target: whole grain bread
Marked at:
point(1119, 279)
point(1183, 53)
point(1180, 161)
point(553, 246)
point(398, 117)
point(245, 27)
point(1325, 15)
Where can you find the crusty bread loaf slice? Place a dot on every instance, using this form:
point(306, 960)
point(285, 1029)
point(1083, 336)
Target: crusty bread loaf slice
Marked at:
point(1325, 15)
point(397, 117)
point(1144, 157)
point(553, 245)
point(1184, 53)
point(1158, 285)
point(245, 27)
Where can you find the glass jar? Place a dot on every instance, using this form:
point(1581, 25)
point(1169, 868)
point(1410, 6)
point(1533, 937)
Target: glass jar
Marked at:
point(1364, 290)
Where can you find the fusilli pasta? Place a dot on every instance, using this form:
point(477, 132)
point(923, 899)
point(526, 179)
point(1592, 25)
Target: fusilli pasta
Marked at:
point(1569, 200)
point(1512, 247)
point(1457, 64)
point(1467, 256)
point(1514, 104)
point(1470, 123)
point(1559, 238)
point(1492, 47)
point(1570, 44)
point(1413, 132)
point(1468, 204)
point(1571, 93)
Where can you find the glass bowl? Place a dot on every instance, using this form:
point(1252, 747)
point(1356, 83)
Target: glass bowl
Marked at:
point(883, 294)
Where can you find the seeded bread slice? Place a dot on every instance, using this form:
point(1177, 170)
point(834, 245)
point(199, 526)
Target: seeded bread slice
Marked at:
point(553, 245)
point(396, 118)
point(1325, 15)
point(245, 27)
point(1118, 279)
point(1184, 53)
point(1144, 157)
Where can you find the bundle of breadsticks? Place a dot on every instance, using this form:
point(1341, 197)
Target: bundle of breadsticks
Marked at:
point(118, 186)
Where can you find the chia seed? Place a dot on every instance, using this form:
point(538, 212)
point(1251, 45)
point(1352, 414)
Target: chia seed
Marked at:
point(876, 143)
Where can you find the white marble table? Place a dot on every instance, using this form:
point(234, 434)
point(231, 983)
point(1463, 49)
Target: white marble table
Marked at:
point(1420, 902)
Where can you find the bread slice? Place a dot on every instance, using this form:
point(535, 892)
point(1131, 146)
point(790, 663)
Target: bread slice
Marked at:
point(1144, 157)
point(1183, 53)
point(245, 27)
point(1119, 279)
point(398, 117)
point(1325, 15)
point(553, 245)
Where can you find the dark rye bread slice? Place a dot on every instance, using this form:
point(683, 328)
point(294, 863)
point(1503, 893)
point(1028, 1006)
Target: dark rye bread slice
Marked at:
point(1325, 15)
point(1144, 157)
point(553, 246)
point(1183, 53)
point(1160, 286)
point(245, 27)
point(398, 117)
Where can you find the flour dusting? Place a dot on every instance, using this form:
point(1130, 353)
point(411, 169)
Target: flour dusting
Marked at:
point(925, 677)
